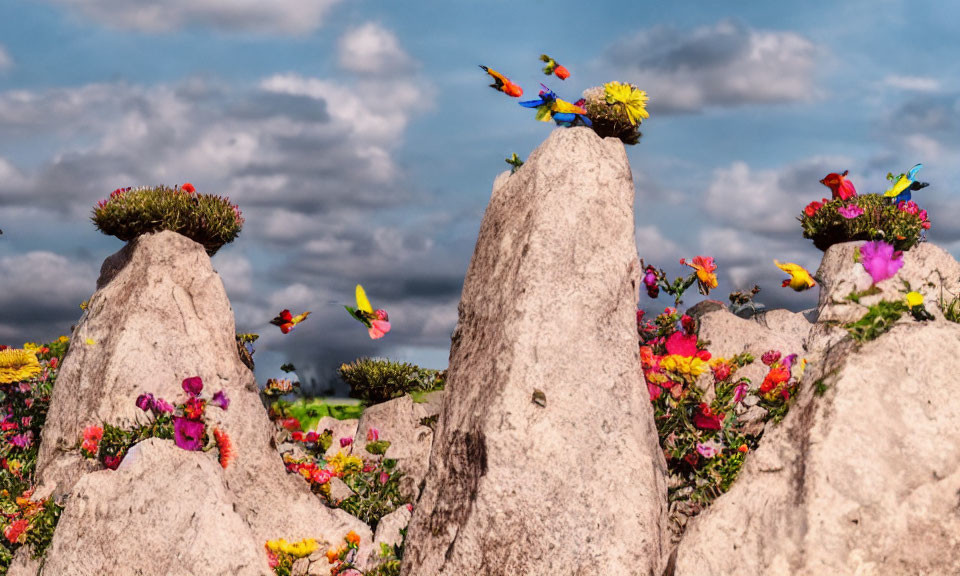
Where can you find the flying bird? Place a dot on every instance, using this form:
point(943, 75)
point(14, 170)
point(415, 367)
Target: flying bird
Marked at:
point(502, 83)
point(550, 107)
point(376, 321)
point(553, 68)
point(287, 321)
point(799, 280)
point(839, 185)
point(904, 185)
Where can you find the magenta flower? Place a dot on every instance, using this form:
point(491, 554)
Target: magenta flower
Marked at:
point(770, 357)
point(23, 441)
point(788, 361)
point(850, 212)
point(880, 260)
point(220, 399)
point(145, 402)
point(344, 442)
point(161, 405)
point(740, 392)
point(384, 477)
point(707, 450)
point(373, 434)
point(682, 344)
point(650, 281)
point(193, 386)
point(188, 434)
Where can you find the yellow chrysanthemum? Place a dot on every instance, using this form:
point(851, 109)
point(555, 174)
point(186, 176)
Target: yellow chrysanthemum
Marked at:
point(18, 365)
point(633, 100)
point(691, 365)
point(32, 346)
point(914, 299)
point(342, 464)
point(300, 549)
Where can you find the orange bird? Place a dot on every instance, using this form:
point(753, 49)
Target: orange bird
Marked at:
point(502, 83)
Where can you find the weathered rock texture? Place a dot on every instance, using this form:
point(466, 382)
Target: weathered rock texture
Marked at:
point(546, 459)
point(863, 477)
point(159, 315)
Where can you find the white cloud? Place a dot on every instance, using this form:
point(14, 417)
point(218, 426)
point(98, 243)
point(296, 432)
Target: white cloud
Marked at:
point(912, 83)
point(654, 247)
point(372, 49)
point(258, 16)
point(6, 61)
point(725, 65)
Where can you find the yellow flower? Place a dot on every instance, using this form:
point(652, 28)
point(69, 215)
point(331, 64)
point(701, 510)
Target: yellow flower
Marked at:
point(300, 549)
point(341, 464)
point(914, 299)
point(632, 100)
point(32, 346)
point(63, 339)
point(684, 365)
point(18, 365)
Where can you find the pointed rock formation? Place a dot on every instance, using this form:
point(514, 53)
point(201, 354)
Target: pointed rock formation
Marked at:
point(159, 315)
point(546, 459)
point(862, 475)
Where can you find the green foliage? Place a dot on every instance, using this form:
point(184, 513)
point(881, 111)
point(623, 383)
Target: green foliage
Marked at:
point(207, 219)
point(378, 447)
point(820, 387)
point(309, 411)
point(951, 310)
point(879, 319)
point(374, 498)
point(378, 380)
point(880, 220)
point(609, 121)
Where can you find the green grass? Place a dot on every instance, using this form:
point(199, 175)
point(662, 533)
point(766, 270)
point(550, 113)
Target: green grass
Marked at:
point(309, 411)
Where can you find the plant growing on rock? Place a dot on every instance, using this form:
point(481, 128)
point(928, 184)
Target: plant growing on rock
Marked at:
point(704, 274)
point(379, 380)
point(616, 110)
point(206, 219)
point(282, 554)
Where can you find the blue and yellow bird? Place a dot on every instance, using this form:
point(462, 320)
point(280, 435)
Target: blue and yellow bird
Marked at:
point(550, 107)
point(904, 185)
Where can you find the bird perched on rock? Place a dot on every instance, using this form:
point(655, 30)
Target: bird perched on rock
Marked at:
point(839, 185)
point(904, 185)
point(799, 280)
point(502, 83)
point(549, 107)
point(553, 68)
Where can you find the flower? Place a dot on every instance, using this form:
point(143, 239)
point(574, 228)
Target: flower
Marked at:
point(300, 549)
point(145, 402)
point(777, 375)
point(682, 344)
point(770, 357)
point(22, 441)
point(850, 212)
point(18, 365)
point(693, 365)
point(161, 405)
point(187, 433)
point(15, 532)
point(225, 446)
point(880, 260)
point(654, 391)
point(651, 282)
point(743, 448)
point(188, 188)
point(193, 386)
point(112, 462)
point(740, 392)
point(632, 100)
point(384, 477)
point(91, 440)
point(721, 369)
point(812, 208)
point(708, 450)
point(321, 476)
point(373, 434)
point(705, 267)
point(352, 538)
point(914, 299)
point(839, 185)
point(220, 399)
point(706, 419)
point(290, 424)
point(341, 464)
point(688, 324)
point(194, 408)
point(344, 442)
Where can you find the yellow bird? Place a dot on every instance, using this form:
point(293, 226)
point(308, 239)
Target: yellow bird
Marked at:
point(800, 279)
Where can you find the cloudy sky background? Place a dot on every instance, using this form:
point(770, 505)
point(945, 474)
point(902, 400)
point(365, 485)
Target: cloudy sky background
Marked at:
point(361, 142)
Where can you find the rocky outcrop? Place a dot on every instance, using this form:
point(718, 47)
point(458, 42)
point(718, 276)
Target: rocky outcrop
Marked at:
point(159, 315)
point(862, 475)
point(546, 458)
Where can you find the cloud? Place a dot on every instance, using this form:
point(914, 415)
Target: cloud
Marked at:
point(372, 49)
point(6, 61)
point(725, 65)
point(912, 83)
point(272, 17)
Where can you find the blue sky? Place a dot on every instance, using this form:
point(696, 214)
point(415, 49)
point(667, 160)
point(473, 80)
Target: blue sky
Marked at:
point(361, 141)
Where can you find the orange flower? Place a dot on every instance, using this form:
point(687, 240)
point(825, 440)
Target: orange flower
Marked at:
point(225, 446)
point(705, 268)
point(743, 448)
point(333, 555)
point(352, 538)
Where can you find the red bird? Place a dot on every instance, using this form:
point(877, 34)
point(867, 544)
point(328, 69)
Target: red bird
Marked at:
point(287, 321)
point(502, 83)
point(839, 185)
point(188, 188)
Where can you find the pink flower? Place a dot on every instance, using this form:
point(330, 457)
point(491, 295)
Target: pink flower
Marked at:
point(384, 477)
point(373, 434)
point(770, 357)
point(850, 212)
point(650, 282)
point(909, 207)
point(193, 386)
point(654, 391)
point(321, 476)
point(161, 405)
point(344, 442)
point(145, 402)
point(707, 450)
point(188, 434)
point(740, 392)
point(682, 344)
point(880, 260)
point(22, 441)
point(220, 399)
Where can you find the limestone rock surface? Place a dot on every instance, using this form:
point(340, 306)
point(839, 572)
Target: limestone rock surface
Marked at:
point(546, 459)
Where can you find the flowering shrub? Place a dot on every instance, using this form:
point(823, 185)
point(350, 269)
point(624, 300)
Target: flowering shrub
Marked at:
point(866, 217)
point(183, 423)
point(206, 219)
point(378, 380)
point(27, 376)
point(704, 274)
point(343, 557)
point(616, 110)
point(309, 411)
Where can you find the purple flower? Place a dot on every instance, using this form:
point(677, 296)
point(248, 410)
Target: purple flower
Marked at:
point(850, 212)
point(740, 392)
point(145, 402)
point(161, 405)
point(707, 450)
point(880, 260)
point(23, 441)
point(188, 434)
point(221, 400)
point(193, 386)
point(650, 281)
point(788, 361)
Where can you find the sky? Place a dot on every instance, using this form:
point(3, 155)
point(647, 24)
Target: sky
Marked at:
point(361, 142)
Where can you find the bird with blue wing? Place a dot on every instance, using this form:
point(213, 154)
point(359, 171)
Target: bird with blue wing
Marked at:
point(550, 107)
point(904, 185)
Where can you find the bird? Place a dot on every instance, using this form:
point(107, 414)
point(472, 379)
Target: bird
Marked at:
point(376, 321)
point(287, 321)
point(800, 279)
point(904, 185)
point(839, 185)
point(502, 83)
point(550, 107)
point(553, 67)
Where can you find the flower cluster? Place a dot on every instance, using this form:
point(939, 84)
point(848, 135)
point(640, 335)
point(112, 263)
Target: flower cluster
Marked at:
point(704, 274)
point(848, 216)
point(282, 554)
point(616, 110)
point(342, 558)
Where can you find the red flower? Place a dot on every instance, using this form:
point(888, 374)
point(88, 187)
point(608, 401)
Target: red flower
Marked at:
point(290, 423)
point(194, 408)
point(654, 391)
point(297, 436)
point(14, 531)
point(722, 371)
point(688, 323)
point(112, 462)
point(705, 419)
point(704, 355)
point(692, 459)
point(682, 344)
point(812, 208)
point(225, 446)
point(775, 377)
point(188, 188)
